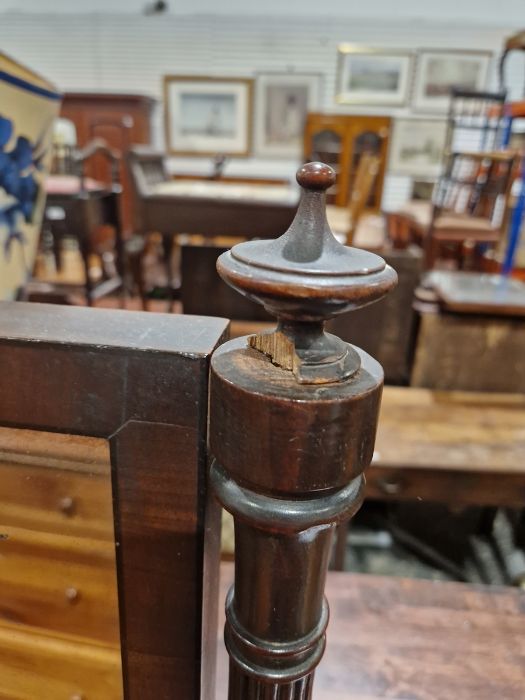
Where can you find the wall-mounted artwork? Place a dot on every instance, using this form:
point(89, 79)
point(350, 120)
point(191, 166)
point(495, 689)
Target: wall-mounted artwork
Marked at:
point(439, 71)
point(417, 147)
point(373, 76)
point(208, 116)
point(282, 102)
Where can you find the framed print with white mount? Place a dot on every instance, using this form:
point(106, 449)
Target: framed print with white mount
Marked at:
point(438, 70)
point(282, 101)
point(417, 147)
point(208, 116)
point(373, 76)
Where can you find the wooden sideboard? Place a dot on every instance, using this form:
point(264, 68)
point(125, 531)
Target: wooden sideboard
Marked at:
point(59, 617)
point(122, 120)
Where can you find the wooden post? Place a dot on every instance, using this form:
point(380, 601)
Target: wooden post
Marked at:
point(293, 417)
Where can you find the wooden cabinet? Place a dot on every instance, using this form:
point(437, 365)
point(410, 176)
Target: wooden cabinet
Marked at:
point(340, 140)
point(122, 120)
point(59, 607)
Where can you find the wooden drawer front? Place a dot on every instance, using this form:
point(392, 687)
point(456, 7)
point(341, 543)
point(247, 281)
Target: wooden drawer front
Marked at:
point(454, 487)
point(61, 584)
point(35, 666)
point(55, 500)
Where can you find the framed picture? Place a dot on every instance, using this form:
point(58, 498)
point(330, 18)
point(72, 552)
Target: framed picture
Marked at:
point(417, 147)
point(207, 116)
point(439, 70)
point(282, 101)
point(373, 76)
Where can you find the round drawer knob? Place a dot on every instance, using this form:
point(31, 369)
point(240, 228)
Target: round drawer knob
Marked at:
point(71, 594)
point(66, 505)
point(390, 487)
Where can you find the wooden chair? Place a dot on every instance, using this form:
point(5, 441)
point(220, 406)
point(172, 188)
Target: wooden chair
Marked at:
point(343, 220)
point(474, 126)
point(90, 213)
point(471, 205)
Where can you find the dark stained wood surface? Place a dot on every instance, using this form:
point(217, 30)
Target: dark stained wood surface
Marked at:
point(385, 329)
point(292, 418)
point(140, 381)
point(404, 639)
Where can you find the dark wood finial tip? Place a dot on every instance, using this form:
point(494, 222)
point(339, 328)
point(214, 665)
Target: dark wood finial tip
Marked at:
point(316, 176)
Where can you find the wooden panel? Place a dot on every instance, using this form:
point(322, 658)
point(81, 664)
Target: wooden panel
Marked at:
point(398, 638)
point(469, 353)
point(36, 665)
point(58, 568)
point(385, 329)
point(60, 584)
point(52, 500)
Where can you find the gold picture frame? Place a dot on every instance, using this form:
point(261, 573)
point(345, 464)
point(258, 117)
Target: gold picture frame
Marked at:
point(438, 70)
point(370, 76)
point(208, 115)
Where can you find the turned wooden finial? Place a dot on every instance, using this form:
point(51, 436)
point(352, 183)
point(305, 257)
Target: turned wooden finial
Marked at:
point(304, 278)
point(293, 416)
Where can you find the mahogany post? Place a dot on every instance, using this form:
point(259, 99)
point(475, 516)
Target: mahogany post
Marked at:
point(293, 416)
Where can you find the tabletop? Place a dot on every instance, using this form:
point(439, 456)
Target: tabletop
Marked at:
point(406, 639)
point(451, 429)
point(275, 194)
point(477, 293)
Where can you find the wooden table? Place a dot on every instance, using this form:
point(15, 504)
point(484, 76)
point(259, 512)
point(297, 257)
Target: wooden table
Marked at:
point(477, 293)
point(219, 208)
point(414, 640)
point(457, 448)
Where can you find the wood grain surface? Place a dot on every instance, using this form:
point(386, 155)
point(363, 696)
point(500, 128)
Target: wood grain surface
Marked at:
point(35, 665)
point(453, 430)
point(414, 640)
point(469, 352)
point(458, 448)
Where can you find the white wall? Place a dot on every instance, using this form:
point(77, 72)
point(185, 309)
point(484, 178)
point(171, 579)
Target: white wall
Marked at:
point(502, 13)
point(131, 53)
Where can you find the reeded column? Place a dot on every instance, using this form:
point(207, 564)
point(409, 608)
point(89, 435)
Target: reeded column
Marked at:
point(293, 416)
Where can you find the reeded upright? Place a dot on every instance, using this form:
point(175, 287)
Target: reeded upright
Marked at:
point(293, 417)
